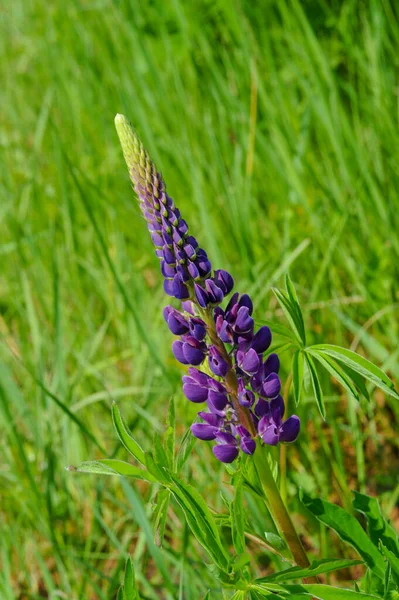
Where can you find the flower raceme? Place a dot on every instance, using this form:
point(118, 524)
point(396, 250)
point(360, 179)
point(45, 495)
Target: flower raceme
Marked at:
point(238, 384)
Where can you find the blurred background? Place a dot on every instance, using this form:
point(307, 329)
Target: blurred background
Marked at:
point(275, 125)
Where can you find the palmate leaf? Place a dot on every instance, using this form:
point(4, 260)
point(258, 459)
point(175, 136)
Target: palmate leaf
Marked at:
point(293, 315)
point(348, 529)
point(360, 365)
point(297, 375)
point(316, 568)
point(318, 392)
point(336, 371)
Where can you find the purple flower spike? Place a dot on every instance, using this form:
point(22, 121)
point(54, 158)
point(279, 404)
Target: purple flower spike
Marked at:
point(203, 431)
point(217, 364)
point(188, 277)
point(226, 453)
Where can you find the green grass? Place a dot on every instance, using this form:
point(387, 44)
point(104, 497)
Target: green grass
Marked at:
point(276, 128)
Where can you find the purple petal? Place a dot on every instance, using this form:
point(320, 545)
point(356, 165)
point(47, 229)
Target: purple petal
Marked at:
point(232, 302)
point(272, 364)
point(195, 393)
point(187, 306)
point(262, 408)
point(201, 295)
point(183, 273)
point(198, 376)
point(192, 269)
point(244, 322)
point(226, 438)
point(246, 398)
point(289, 430)
point(214, 410)
point(214, 292)
point(180, 291)
point(217, 364)
point(217, 399)
point(271, 386)
point(177, 349)
point(168, 256)
point(197, 328)
point(211, 419)
point(257, 379)
point(225, 333)
point(202, 431)
point(224, 280)
point(270, 435)
point(262, 340)
point(189, 251)
point(182, 226)
point(157, 240)
point(177, 324)
point(248, 445)
point(193, 355)
point(250, 362)
point(168, 287)
point(192, 241)
point(245, 300)
point(225, 453)
point(277, 408)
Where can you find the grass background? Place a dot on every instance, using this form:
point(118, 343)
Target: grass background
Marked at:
point(276, 127)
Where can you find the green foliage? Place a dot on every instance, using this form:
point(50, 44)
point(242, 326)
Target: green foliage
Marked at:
point(129, 591)
point(276, 127)
point(344, 365)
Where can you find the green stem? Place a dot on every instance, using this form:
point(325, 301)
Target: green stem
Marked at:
point(277, 507)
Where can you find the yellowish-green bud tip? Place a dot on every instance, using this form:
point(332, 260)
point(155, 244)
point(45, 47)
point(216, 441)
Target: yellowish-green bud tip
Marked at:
point(129, 141)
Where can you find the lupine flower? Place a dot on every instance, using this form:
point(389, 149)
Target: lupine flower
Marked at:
point(238, 385)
